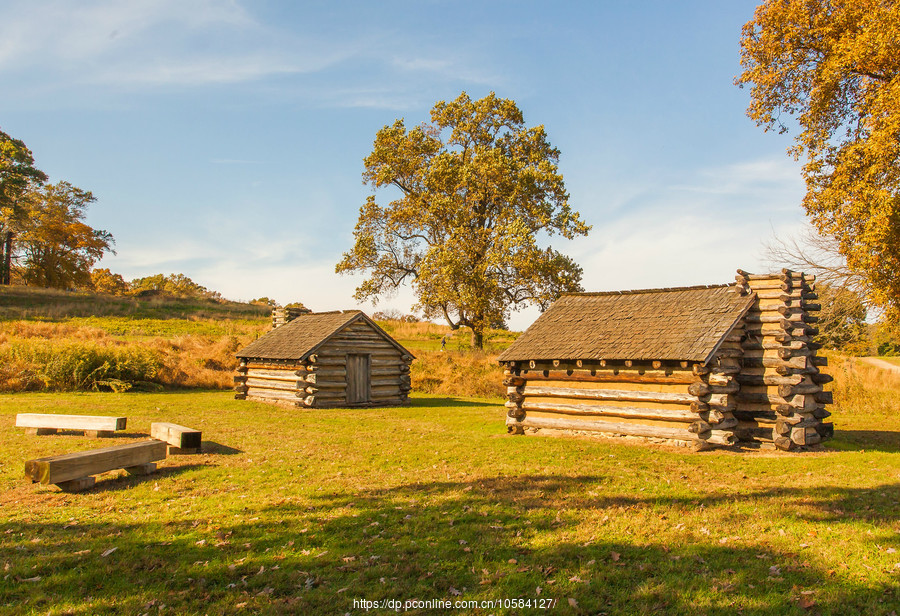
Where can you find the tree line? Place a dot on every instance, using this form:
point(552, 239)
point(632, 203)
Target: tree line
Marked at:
point(44, 240)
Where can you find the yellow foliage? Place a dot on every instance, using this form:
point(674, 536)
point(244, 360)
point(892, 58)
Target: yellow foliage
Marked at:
point(835, 66)
point(477, 188)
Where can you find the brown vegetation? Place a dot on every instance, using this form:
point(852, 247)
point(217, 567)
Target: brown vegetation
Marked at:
point(471, 373)
point(64, 356)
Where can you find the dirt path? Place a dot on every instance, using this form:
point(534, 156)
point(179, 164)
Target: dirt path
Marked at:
point(881, 363)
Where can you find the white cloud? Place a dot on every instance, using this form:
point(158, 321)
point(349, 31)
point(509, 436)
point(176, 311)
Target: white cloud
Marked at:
point(695, 232)
point(154, 42)
point(59, 44)
point(67, 31)
point(747, 178)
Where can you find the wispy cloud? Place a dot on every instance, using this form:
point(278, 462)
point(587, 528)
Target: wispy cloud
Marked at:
point(697, 231)
point(154, 43)
point(66, 44)
point(744, 178)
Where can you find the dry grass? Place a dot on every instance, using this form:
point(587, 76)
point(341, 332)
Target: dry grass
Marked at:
point(18, 302)
point(861, 389)
point(458, 373)
point(414, 331)
point(186, 360)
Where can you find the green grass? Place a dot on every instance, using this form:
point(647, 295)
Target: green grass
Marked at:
point(127, 327)
point(304, 511)
point(892, 359)
point(456, 344)
point(53, 304)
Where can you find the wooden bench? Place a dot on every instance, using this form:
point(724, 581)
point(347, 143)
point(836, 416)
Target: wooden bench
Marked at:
point(92, 425)
point(73, 472)
point(179, 438)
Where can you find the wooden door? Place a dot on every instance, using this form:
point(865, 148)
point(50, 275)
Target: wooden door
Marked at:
point(358, 379)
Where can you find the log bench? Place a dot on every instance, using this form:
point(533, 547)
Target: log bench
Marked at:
point(92, 425)
point(73, 472)
point(179, 438)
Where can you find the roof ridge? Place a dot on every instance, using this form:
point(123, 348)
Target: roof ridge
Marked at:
point(638, 291)
point(306, 314)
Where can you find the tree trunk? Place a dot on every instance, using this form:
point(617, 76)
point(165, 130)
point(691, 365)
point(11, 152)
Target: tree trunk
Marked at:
point(477, 337)
point(6, 263)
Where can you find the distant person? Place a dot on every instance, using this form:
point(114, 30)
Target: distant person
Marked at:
point(443, 343)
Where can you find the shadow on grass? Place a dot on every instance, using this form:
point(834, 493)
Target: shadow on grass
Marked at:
point(99, 439)
point(218, 448)
point(107, 483)
point(476, 540)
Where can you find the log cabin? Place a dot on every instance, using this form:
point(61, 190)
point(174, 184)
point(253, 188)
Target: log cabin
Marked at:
point(324, 360)
point(705, 365)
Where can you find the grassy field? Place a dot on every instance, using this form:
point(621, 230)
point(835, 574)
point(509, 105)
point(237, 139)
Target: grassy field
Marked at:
point(312, 512)
point(893, 360)
point(306, 512)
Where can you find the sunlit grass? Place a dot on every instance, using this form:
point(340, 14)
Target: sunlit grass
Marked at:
point(304, 511)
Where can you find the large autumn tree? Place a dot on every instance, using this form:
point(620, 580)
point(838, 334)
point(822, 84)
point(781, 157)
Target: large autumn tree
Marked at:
point(472, 191)
point(54, 246)
point(834, 66)
point(17, 175)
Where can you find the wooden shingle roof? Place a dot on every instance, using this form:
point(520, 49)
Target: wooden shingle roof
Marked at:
point(684, 324)
point(300, 338)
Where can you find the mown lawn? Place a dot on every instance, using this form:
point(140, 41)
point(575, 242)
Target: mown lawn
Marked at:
point(304, 512)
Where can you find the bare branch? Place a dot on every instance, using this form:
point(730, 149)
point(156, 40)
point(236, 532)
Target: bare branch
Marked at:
point(815, 254)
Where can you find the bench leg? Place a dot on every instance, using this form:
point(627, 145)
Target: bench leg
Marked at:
point(176, 451)
point(143, 469)
point(40, 431)
point(99, 433)
point(77, 485)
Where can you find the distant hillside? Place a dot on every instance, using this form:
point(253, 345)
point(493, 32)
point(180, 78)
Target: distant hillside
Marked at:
point(58, 340)
point(34, 303)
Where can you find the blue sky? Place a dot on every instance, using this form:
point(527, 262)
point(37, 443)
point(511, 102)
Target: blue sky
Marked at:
point(224, 139)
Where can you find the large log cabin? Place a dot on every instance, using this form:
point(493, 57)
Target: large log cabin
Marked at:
point(324, 359)
point(707, 365)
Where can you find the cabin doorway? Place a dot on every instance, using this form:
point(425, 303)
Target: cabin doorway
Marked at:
point(358, 379)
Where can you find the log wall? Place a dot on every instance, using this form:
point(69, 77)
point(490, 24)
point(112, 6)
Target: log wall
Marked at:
point(781, 399)
point(670, 400)
point(321, 381)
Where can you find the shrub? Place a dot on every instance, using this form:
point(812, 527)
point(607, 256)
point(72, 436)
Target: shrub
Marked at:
point(34, 363)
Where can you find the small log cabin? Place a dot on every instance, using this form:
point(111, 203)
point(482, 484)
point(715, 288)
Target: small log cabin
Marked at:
point(322, 360)
point(709, 365)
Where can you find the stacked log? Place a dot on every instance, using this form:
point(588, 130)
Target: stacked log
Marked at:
point(280, 315)
point(716, 388)
point(286, 383)
point(781, 399)
point(635, 398)
point(389, 368)
point(515, 394)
